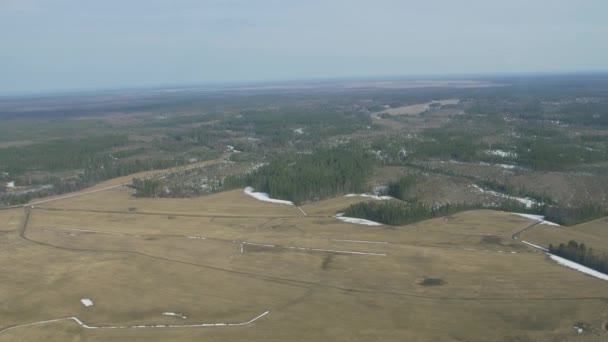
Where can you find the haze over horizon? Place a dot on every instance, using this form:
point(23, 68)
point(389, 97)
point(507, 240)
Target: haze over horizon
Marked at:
point(69, 45)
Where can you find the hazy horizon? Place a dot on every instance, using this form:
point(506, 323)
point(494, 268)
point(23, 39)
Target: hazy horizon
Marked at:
point(66, 45)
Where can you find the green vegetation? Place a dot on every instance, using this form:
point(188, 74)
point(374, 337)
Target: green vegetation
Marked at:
point(404, 188)
point(61, 154)
point(581, 254)
point(305, 177)
point(396, 213)
point(571, 215)
point(147, 187)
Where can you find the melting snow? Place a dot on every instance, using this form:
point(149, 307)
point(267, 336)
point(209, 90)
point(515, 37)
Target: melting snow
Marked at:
point(537, 218)
point(262, 196)
point(357, 220)
point(528, 202)
point(86, 302)
point(174, 314)
point(376, 197)
point(579, 267)
point(502, 153)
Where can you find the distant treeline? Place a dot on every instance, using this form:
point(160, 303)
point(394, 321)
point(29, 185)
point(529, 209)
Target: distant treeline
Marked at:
point(581, 254)
point(61, 154)
point(86, 178)
point(305, 177)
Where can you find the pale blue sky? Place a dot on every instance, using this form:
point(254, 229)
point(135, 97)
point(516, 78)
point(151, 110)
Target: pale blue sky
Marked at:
point(49, 45)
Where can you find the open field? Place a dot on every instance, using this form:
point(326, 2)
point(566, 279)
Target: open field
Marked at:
point(417, 108)
point(227, 258)
point(178, 256)
point(594, 234)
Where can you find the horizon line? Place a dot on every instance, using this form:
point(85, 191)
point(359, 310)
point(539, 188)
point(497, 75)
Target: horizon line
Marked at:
point(236, 84)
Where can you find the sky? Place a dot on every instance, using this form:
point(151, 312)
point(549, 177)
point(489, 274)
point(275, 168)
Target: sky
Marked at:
point(57, 45)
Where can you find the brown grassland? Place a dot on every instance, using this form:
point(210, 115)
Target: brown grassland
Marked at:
point(593, 233)
point(226, 258)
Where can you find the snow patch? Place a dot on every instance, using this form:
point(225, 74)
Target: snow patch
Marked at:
point(299, 130)
point(355, 220)
point(262, 196)
point(528, 202)
point(197, 237)
point(579, 267)
point(86, 302)
point(540, 218)
point(375, 197)
point(532, 217)
point(535, 246)
point(501, 153)
point(174, 314)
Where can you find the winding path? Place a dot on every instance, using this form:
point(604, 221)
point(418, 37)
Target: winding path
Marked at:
point(88, 326)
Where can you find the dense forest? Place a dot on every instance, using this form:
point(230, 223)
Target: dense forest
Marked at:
point(580, 253)
point(306, 177)
point(397, 213)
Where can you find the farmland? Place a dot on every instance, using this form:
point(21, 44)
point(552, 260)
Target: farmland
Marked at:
point(153, 218)
point(224, 258)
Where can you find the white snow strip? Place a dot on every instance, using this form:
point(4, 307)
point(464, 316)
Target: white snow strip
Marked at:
point(86, 302)
point(197, 237)
point(355, 220)
point(501, 153)
point(358, 241)
point(375, 197)
point(86, 326)
point(535, 246)
point(262, 196)
point(302, 210)
point(549, 223)
point(540, 218)
point(528, 202)
point(532, 217)
point(578, 267)
point(174, 314)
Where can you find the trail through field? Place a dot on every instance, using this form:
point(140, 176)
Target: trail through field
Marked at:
point(166, 326)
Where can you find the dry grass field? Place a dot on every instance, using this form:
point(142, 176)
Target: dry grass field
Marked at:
point(227, 258)
point(417, 108)
point(594, 234)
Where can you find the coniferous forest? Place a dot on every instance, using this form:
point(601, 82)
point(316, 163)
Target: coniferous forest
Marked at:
point(580, 253)
point(305, 177)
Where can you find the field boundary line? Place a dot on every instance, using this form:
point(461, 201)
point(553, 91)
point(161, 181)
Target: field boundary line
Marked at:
point(313, 249)
point(86, 326)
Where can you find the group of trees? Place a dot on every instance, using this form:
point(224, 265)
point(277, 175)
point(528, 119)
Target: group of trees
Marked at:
point(60, 154)
point(305, 177)
point(569, 215)
point(147, 187)
point(581, 254)
point(397, 213)
point(404, 188)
